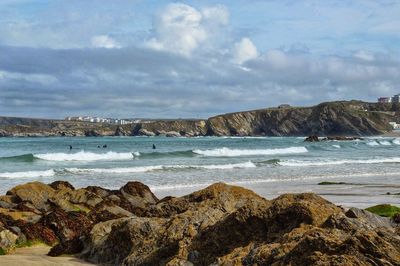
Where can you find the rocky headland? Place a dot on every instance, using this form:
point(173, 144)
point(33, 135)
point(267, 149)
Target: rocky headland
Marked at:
point(345, 118)
point(219, 225)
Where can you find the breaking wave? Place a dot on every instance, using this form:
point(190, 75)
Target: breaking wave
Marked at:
point(28, 174)
point(226, 152)
point(299, 163)
point(143, 169)
point(85, 156)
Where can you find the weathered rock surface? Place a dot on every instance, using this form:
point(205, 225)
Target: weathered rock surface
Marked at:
point(219, 225)
point(345, 118)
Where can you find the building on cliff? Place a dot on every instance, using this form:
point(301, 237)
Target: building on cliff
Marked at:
point(394, 99)
point(98, 120)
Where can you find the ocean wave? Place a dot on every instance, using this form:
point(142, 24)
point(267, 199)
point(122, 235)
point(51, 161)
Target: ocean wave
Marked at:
point(19, 158)
point(336, 146)
point(385, 143)
point(299, 163)
point(28, 174)
point(85, 156)
point(373, 143)
point(226, 152)
point(157, 154)
point(143, 169)
point(396, 141)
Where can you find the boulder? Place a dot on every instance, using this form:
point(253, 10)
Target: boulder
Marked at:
point(34, 192)
point(58, 185)
point(312, 138)
point(7, 239)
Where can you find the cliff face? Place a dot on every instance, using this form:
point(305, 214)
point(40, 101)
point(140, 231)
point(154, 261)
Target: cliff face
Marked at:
point(332, 118)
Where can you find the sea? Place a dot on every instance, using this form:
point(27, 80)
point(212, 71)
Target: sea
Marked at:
point(368, 170)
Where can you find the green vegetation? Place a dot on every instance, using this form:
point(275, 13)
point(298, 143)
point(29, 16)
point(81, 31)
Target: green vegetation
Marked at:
point(2, 252)
point(385, 210)
point(29, 243)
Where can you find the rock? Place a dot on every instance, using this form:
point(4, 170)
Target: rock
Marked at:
point(7, 239)
point(67, 225)
point(92, 133)
point(218, 225)
point(137, 189)
point(120, 132)
point(58, 185)
point(99, 191)
point(75, 200)
point(68, 247)
point(369, 219)
point(396, 218)
point(104, 212)
point(312, 138)
point(342, 138)
point(226, 225)
point(34, 192)
point(145, 132)
point(27, 216)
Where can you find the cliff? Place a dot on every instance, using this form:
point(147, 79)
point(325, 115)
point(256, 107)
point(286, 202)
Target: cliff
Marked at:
point(218, 225)
point(332, 118)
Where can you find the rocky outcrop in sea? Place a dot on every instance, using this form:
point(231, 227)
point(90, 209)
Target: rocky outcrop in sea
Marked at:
point(218, 225)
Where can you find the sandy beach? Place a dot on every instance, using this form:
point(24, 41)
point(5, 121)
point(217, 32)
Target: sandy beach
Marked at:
point(36, 255)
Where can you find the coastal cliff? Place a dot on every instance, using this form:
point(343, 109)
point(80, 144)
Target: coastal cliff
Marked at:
point(218, 225)
point(353, 118)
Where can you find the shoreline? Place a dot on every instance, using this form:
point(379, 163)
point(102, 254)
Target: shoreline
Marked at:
point(37, 256)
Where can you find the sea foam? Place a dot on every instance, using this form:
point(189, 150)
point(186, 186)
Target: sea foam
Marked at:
point(299, 163)
point(28, 174)
point(226, 152)
point(86, 156)
point(143, 169)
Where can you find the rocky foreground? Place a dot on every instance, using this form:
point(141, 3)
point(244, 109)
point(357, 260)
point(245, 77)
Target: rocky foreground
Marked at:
point(345, 118)
point(219, 225)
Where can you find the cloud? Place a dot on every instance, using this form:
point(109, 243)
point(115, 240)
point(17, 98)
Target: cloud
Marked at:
point(192, 60)
point(244, 50)
point(104, 41)
point(181, 28)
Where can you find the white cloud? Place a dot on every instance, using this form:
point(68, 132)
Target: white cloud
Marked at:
point(244, 50)
point(104, 41)
point(181, 28)
point(363, 55)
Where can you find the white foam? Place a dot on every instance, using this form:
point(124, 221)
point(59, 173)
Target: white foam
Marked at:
point(338, 162)
point(226, 152)
point(396, 141)
point(28, 174)
point(385, 143)
point(373, 143)
point(85, 156)
point(336, 146)
point(143, 169)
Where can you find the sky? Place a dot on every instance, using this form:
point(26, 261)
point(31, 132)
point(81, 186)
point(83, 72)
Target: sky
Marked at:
point(193, 59)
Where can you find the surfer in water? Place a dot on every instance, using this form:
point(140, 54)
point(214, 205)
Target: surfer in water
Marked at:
point(70, 147)
point(154, 147)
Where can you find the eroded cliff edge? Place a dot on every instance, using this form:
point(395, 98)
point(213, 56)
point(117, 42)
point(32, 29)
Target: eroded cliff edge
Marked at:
point(354, 118)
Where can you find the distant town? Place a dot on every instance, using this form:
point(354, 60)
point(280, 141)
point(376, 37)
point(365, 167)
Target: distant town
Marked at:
point(393, 99)
point(92, 119)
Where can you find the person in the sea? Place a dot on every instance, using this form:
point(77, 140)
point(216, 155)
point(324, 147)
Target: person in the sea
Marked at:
point(70, 147)
point(105, 146)
point(154, 147)
point(98, 146)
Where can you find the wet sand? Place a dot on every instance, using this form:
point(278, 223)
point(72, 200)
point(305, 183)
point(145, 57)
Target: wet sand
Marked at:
point(36, 256)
